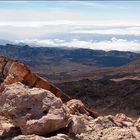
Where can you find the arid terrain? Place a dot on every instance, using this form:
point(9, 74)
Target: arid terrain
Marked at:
point(106, 96)
point(107, 82)
point(31, 108)
point(63, 64)
point(70, 70)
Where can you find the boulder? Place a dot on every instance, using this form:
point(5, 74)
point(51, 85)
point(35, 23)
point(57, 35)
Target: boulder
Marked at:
point(35, 110)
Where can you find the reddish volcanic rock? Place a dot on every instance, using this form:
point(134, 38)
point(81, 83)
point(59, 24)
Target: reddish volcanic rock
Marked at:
point(12, 71)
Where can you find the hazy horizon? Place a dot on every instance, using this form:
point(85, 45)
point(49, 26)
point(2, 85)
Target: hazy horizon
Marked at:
point(103, 25)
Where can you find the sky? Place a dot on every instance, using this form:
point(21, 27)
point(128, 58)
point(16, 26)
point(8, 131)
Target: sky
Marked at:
point(106, 25)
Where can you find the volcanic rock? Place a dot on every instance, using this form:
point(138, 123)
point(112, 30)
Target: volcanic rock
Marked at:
point(38, 112)
point(110, 128)
point(35, 111)
point(12, 71)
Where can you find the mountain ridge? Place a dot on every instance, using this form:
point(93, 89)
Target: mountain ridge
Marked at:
point(62, 51)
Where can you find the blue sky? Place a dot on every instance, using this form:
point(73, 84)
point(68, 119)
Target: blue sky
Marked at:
point(90, 9)
point(89, 24)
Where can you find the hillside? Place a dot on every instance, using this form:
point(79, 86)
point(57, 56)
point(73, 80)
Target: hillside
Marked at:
point(106, 96)
point(61, 64)
point(95, 57)
point(124, 72)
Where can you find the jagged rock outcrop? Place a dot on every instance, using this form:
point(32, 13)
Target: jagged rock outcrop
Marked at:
point(12, 71)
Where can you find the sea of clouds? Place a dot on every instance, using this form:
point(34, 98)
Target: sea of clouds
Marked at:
point(98, 37)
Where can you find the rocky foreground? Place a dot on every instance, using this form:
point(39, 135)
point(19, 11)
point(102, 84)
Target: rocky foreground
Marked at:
point(37, 114)
point(33, 113)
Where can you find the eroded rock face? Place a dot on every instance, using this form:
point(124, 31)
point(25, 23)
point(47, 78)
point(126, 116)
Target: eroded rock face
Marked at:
point(35, 111)
point(12, 71)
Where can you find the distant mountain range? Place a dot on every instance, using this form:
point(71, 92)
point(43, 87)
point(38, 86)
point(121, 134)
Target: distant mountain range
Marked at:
point(4, 42)
point(79, 55)
point(59, 63)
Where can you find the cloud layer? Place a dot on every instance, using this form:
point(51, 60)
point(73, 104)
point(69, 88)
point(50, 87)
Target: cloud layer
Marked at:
point(82, 24)
point(107, 45)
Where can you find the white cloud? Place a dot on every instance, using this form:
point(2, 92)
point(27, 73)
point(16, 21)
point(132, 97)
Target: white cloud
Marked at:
point(114, 31)
point(32, 30)
point(30, 24)
point(113, 44)
point(42, 21)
